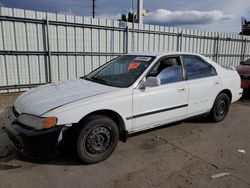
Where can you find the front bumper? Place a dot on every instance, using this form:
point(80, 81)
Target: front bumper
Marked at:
point(31, 143)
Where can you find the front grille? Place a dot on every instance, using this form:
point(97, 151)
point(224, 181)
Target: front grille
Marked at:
point(15, 113)
point(245, 77)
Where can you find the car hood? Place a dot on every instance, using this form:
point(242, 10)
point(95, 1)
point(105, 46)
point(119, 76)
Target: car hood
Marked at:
point(38, 101)
point(243, 69)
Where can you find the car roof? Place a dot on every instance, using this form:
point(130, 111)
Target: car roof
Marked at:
point(158, 54)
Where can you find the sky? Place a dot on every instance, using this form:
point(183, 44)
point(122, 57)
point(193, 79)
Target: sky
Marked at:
point(211, 15)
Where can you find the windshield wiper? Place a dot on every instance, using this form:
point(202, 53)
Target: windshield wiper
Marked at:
point(85, 78)
point(98, 80)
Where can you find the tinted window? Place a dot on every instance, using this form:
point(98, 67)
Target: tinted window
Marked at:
point(197, 68)
point(247, 62)
point(168, 70)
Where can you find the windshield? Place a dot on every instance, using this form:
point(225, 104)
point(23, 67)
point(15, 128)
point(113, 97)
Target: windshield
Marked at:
point(122, 71)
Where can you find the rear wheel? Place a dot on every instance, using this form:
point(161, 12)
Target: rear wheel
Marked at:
point(97, 139)
point(220, 108)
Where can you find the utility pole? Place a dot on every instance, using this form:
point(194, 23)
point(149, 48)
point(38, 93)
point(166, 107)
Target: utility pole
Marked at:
point(139, 11)
point(93, 8)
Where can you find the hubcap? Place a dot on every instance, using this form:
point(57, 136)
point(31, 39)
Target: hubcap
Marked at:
point(221, 107)
point(98, 140)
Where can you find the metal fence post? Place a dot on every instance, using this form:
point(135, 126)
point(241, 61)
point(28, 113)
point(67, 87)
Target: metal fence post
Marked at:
point(127, 38)
point(216, 47)
point(244, 52)
point(48, 66)
point(179, 41)
point(243, 49)
point(133, 39)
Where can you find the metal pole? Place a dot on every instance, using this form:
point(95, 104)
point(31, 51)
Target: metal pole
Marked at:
point(93, 8)
point(139, 11)
point(133, 25)
point(48, 78)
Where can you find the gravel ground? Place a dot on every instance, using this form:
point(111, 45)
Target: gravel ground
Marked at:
point(185, 154)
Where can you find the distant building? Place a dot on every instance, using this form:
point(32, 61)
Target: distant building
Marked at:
point(245, 27)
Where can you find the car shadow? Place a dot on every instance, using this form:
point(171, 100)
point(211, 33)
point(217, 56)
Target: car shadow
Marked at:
point(246, 95)
point(65, 157)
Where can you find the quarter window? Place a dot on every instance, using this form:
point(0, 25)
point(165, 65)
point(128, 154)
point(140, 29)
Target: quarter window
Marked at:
point(197, 68)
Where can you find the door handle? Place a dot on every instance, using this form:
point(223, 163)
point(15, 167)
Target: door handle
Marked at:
point(181, 89)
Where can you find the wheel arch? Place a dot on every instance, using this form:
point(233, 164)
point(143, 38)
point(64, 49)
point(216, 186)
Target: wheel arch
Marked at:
point(228, 93)
point(114, 116)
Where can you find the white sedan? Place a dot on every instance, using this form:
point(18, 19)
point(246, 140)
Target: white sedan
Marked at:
point(130, 93)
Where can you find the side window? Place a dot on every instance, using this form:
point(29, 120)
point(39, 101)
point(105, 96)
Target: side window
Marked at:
point(168, 70)
point(197, 68)
point(247, 61)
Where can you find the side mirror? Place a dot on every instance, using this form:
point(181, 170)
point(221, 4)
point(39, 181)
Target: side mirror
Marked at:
point(142, 84)
point(153, 82)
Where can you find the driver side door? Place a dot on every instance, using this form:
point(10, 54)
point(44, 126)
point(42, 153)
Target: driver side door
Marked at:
point(154, 106)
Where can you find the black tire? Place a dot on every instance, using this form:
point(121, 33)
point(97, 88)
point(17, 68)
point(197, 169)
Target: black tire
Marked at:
point(97, 139)
point(220, 108)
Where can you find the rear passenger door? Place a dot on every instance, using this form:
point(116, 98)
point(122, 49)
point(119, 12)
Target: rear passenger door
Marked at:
point(203, 83)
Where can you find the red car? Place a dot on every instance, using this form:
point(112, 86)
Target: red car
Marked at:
point(244, 71)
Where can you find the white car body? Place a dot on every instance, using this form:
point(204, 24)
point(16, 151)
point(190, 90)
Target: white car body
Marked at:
point(72, 100)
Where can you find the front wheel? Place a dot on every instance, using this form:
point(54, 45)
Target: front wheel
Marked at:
point(220, 108)
point(97, 139)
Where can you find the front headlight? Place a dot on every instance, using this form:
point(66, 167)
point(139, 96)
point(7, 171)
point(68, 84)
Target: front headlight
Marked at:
point(37, 122)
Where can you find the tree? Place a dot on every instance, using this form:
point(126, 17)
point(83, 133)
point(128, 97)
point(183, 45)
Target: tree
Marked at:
point(129, 17)
point(123, 18)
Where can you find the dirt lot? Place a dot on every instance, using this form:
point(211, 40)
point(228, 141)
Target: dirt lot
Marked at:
point(181, 155)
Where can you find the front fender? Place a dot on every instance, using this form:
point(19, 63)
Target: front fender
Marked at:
point(74, 112)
